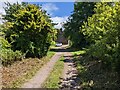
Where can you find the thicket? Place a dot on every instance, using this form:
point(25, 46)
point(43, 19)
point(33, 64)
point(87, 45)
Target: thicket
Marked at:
point(8, 56)
point(28, 30)
point(102, 32)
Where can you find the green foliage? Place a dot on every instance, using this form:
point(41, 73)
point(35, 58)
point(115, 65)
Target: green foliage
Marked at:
point(102, 30)
point(29, 29)
point(82, 10)
point(94, 74)
point(4, 43)
point(97, 24)
point(76, 53)
point(8, 56)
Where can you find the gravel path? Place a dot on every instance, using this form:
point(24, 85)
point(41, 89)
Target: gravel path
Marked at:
point(69, 78)
point(43, 73)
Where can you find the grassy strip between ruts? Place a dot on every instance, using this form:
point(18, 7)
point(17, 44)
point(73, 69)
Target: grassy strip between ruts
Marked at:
point(53, 79)
point(20, 72)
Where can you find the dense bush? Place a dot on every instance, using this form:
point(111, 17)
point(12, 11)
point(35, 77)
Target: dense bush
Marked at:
point(102, 29)
point(29, 29)
point(7, 55)
point(4, 43)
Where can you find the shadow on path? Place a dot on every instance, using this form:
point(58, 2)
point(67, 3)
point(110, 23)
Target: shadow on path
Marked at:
point(69, 79)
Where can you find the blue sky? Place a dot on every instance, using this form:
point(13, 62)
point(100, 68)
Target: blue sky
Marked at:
point(58, 11)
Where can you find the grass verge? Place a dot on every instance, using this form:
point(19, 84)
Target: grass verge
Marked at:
point(75, 53)
point(20, 72)
point(53, 79)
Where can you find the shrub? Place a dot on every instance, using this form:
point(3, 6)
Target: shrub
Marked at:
point(30, 29)
point(102, 29)
point(8, 56)
point(4, 43)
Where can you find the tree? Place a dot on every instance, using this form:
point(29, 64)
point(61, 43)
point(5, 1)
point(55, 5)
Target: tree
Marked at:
point(82, 10)
point(103, 29)
point(31, 29)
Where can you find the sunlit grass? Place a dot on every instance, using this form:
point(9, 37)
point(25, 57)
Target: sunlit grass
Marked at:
point(79, 52)
point(53, 79)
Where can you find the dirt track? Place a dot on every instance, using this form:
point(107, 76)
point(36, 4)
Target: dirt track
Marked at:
point(68, 78)
point(42, 74)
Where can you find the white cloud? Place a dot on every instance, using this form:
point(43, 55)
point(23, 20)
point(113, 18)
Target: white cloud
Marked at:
point(2, 4)
point(12, 1)
point(49, 7)
point(1, 8)
point(2, 11)
point(59, 20)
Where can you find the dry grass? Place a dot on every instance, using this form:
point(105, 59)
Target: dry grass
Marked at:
point(15, 75)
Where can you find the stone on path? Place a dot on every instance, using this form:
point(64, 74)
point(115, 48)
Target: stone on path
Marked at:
point(69, 77)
